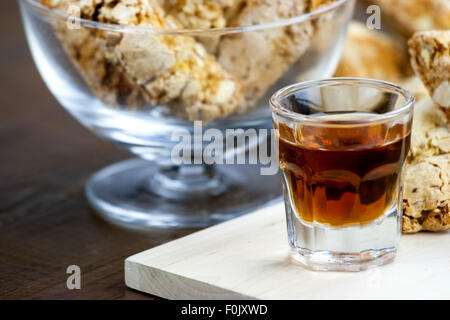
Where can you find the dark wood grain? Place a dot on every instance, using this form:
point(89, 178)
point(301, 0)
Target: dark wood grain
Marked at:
point(45, 159)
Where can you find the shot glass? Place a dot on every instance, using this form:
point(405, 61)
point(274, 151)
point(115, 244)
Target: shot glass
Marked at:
point(342, 149)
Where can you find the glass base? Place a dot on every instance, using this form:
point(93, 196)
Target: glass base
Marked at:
point(354, 248)
point(138, 194)
point(334, 261)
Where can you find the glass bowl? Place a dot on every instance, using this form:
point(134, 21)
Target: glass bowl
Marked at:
point(139, 79)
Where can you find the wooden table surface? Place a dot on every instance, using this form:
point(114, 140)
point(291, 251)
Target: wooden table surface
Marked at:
point(45, 159)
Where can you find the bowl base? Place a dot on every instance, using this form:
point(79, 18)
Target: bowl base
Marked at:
point(122, 194)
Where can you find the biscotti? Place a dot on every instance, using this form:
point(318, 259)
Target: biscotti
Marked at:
point(430, 58)
point(429, 137)
point(262, 58)
point(427, 195)
point(372, 54)
point(168, 69)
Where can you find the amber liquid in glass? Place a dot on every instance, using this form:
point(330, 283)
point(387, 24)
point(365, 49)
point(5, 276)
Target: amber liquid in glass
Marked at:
point(340, 176)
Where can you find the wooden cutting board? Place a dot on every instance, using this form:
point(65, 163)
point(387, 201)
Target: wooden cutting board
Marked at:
point(246, 258)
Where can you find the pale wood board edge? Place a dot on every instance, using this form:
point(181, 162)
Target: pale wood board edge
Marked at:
point(172, 286)
point(141, 274)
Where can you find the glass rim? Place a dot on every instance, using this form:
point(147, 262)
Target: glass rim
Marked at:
point(407, 107)
point(186, 32)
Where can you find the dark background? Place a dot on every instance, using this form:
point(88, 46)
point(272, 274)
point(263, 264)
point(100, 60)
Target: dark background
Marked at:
point(45, 159)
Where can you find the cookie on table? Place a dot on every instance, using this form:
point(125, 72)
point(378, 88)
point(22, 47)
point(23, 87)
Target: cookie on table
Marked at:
point(376, 55)
point(430, 58)
point(415, 86)
point(372, 54)
point(429, 137)
point(427, 195)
